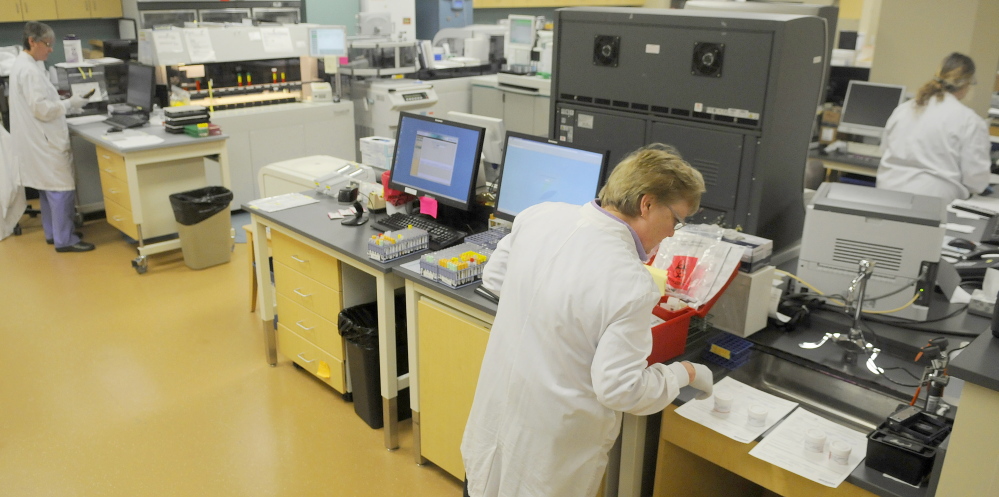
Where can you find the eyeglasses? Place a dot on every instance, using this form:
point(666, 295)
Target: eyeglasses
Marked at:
point(47, 44)
point(680, 223)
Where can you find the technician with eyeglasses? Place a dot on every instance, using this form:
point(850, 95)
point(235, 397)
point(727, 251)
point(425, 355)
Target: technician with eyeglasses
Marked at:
point(567, 353)
point(935, 145)
point(40, 137)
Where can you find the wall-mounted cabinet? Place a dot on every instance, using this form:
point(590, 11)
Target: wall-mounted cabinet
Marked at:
point(27, 10)
point(88, 9)
point(508, 4)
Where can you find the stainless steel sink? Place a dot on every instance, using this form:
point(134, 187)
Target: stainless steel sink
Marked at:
point(818, 390)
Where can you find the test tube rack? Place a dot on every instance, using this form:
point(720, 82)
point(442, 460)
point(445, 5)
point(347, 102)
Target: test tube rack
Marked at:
point(391, 245)
point(489, 238)
point(456, 266)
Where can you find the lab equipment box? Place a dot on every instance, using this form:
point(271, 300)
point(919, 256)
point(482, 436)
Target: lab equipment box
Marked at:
point(742, 309)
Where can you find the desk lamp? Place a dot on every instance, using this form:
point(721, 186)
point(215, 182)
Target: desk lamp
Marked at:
point(347, 195)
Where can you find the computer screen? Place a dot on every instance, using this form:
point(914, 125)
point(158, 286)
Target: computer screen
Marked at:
point(839, 80)
point(492, 147)
point(539, 170)
point(141, 86)
point(436, 158)
point(521, 31)
point(868, 107)
point(328, 42)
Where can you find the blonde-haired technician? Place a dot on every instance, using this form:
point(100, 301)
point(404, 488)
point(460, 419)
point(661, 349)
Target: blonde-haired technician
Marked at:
point(567, 352)
point(935, 145)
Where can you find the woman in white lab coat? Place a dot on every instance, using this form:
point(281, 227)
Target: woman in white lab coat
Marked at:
point(41, 138)
point(567, 352)
point(935, 145)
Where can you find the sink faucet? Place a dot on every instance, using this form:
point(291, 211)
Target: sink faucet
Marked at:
point(854, 341)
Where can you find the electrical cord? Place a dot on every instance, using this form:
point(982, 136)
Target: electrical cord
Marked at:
point(841, 302)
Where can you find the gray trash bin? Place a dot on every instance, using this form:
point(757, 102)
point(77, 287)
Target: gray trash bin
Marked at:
point(204, 226)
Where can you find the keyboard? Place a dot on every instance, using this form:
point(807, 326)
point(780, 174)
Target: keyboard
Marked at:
point(126, 121)
point(858, 159)
point(440, 236)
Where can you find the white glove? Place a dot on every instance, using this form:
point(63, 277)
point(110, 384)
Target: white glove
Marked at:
point(77, 102)
point(703, 381)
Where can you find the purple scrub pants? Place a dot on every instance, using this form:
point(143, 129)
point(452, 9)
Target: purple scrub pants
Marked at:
point(58, 210)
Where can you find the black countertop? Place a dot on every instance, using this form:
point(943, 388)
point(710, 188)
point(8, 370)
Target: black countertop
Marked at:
point(979, 362)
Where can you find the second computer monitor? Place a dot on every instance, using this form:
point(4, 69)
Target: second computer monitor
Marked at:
point(436, 158)
point(868, 106)
point(141, 86)
point(537, 170)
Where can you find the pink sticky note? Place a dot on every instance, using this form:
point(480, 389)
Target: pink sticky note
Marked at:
point(428, 206)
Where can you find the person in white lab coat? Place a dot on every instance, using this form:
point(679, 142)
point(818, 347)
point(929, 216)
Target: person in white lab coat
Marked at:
point(41, 138)
point(567, 352)
point(935, 145)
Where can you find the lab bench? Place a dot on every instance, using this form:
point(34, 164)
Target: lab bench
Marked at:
point(137, 181)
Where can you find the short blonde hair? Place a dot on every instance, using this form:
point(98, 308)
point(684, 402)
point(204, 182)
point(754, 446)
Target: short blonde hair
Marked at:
point(656, 170)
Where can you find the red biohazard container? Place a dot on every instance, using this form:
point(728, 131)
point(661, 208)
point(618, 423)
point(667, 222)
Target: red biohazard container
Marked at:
point(669, 339)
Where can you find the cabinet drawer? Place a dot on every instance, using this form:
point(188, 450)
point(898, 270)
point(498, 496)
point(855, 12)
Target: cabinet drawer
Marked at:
point(309, 357)
point(111, 163)
point(320, 331)
point(307, 292)
point(305, 259)
point(121, 218)
point(115, 190)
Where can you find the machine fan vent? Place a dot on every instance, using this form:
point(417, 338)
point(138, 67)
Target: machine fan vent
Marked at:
point(708, 59)
point(850, 252)
point(606, 50)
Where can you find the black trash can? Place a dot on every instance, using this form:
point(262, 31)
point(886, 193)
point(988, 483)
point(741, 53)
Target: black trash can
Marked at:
point(204, 225)
point(358, 326)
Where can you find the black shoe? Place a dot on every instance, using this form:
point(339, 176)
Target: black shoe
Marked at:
point(52, 242)
point(79, 247)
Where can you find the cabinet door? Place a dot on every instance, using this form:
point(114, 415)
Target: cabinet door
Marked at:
point(542, 110)
point(11, 10)
point(452, 345)
point(73, 9)
point(105, 8)
point(39, 10)
point(487, 102)
point(518, 113)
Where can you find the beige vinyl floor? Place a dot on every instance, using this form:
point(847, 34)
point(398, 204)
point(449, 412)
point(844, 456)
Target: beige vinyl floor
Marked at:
point(119, 384)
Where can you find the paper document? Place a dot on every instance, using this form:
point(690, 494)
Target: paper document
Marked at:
point(168, 41)
point(785, 447)
point(276, 39)
point(199, 45)
point(81, 89)
point(736, 423)
point(131, 139)
point(281, 202)
point(78, 120)
point(413, 266)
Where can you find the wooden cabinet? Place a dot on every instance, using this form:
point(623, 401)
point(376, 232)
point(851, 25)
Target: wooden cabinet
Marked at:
point(117, 198)
point(87, 9)
point(27, 10)
point(309, 299)
point(451, 347)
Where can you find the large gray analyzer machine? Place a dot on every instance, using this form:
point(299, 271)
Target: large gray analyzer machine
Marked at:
point(901, 233)
point(736, 93)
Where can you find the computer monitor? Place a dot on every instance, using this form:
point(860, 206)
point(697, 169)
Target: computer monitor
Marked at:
point(492, 147)
point(328, 41)
point(521, 32)
point(839, 80)
point(437, 159)
point(868, 107)
point(141, 86)
point(537, 170)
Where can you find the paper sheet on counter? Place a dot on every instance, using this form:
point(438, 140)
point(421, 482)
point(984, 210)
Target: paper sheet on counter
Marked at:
point(281, 202)
point(131, 138)
point(784, 447)
point(735, 424)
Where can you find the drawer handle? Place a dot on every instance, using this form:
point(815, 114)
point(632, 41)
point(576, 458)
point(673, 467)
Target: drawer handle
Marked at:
point(304, 359)
point(303, 261)
point(300, 294)
point(299, 324)
point(106, 156)
point(116, 218)
point(113, 191)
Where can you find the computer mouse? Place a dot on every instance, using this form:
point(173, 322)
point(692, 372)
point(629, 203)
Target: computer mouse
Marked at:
point(962, 243)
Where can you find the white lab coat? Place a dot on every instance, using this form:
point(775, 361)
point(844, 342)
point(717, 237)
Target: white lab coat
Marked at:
point(38, 128)
point(941, 149)
point(566, 355)
point(12, 202)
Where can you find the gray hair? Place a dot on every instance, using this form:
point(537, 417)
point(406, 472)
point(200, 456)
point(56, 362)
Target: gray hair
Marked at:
point(36, 31)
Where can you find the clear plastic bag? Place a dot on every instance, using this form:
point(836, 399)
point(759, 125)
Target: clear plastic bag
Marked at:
point(692, 259)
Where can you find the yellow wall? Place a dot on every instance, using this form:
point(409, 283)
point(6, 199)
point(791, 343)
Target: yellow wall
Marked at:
point(913, 37)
